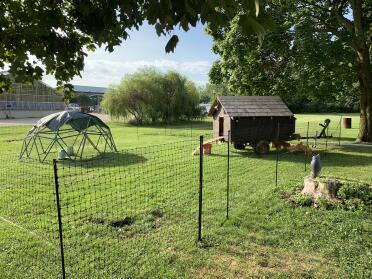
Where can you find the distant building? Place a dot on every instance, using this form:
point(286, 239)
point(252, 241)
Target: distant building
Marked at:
point(94, 92)
point(29, 100)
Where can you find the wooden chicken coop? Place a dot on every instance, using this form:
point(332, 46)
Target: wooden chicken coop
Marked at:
point(252, 120)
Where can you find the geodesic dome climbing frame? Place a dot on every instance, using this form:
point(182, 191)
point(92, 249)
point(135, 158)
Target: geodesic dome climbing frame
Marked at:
point(71, 133)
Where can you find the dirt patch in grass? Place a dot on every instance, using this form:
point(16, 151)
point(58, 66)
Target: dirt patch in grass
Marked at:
point(157, 213)
point(127, 221)
point(267, 262)
point(96, 220)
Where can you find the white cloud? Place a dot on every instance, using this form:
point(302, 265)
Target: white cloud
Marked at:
point(105, 72)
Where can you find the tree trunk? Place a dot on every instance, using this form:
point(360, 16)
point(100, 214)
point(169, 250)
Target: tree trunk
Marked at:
point(364, 73)
point(365, 85)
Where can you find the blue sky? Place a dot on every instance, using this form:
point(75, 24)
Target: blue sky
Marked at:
point(192, 57)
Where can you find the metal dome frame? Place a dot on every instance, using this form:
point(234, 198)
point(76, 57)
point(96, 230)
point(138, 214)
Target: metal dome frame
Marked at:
point(74, 125)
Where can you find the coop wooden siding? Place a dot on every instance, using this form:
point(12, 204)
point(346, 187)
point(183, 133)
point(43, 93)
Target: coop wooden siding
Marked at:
point(254, 129)
point(220, 112)
point(226, 127)
point(215, 127)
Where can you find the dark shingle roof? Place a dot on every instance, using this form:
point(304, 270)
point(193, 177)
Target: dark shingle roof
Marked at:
point(89, 89)
point(251, 106)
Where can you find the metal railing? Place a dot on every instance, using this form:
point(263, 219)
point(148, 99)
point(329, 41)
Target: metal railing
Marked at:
point(24, 105)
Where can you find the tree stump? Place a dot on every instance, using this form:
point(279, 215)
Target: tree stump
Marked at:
point(318, 187)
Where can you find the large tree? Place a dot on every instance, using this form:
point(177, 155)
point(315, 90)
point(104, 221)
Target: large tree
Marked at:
point(350, 22)
point(53, 36)
point(310, 55)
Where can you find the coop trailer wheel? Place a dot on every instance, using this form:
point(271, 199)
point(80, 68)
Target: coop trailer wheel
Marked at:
point(239, 146)
point(262, 147)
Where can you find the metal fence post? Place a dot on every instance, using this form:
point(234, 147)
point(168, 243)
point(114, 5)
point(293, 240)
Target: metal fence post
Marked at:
point(200, 189)
point(56, 184)
point(339, 134)
point(326, 145)
point(277, 155)
point(228, 175)
point(307, 142)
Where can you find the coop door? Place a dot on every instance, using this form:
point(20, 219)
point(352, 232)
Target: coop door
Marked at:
point(220, 126)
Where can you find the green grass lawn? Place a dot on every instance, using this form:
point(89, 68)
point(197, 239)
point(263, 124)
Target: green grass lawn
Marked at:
point(134, 214)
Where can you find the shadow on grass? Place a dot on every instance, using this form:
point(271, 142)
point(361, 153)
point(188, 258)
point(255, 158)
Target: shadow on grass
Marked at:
point(340, 157)
point(107, 160)
point(181, 125)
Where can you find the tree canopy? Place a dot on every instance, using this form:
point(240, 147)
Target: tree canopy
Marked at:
point(151, 96)
point(210, 91)
point(314, 55)
point(53, 37)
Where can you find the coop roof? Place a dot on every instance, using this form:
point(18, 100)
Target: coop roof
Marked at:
point(79, 121)
point(247, 106)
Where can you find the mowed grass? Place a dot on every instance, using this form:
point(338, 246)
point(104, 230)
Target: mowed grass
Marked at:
point(134, 215)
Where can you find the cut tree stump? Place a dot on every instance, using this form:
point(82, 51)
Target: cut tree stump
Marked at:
point(318, 187)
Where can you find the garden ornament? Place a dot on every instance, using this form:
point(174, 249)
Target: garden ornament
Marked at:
point(315, 165)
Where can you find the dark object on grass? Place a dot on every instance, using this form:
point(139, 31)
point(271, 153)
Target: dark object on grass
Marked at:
point(127, 221)
point(346, 123)
point(323, 133)
point(315, 165)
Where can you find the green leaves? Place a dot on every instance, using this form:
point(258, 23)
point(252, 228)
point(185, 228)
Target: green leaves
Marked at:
point(57, 33)
point(289, 60)
point(171, 45)
point(250, 25)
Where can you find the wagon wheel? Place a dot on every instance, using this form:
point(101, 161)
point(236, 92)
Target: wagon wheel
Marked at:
point(262, 147)
point(239, 146)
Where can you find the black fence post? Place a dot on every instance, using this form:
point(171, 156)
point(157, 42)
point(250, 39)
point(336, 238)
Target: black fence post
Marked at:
point(339, 134)
point(56, 184)
point(277, 155)
point(326, 145)
point(200, 189)
point(307, 143)
point(228, 175)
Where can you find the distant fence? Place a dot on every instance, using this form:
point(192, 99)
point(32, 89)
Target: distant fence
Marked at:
point(26, 105)
point(318, 131)
point(127, 213)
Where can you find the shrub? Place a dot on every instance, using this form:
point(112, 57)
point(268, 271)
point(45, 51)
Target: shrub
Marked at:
point(300, 200)
point(351, 196)
point(353, 190)
point(354, 204)
point(328, 204)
